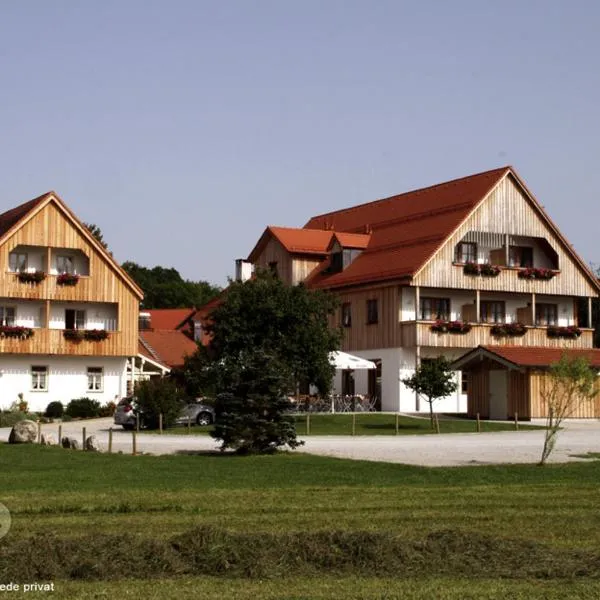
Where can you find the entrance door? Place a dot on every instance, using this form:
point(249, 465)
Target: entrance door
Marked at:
point(498, 395)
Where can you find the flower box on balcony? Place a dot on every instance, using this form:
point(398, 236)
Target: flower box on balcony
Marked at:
point(35, 277)
point(441, 326)
point(485, 270)
point(67, 279)
point(16, 331)
point(508, 330)
point(537, 273)
point(91, 335)
point(570, 332)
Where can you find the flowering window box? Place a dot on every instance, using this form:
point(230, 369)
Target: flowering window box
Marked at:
point(508, 330)
point(67, 279)
point(485, 270)
point(35, 277)
point(16, 331)
point(441, 326)
point(571, 332)
point(91, 335)
point(537, 273)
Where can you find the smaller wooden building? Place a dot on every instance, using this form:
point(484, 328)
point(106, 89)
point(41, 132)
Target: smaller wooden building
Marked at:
point(504, 380)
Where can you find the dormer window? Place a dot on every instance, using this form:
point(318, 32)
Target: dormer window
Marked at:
point(17, 262)
point(341, 259)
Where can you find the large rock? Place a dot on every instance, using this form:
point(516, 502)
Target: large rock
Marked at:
point(23, 432)
point(47, 439)
point(70, 443)
point(92, 444)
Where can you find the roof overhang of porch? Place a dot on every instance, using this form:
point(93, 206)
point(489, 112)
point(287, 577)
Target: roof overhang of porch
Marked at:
point(478, 355)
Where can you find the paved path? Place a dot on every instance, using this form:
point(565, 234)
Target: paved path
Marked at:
point(578, 437)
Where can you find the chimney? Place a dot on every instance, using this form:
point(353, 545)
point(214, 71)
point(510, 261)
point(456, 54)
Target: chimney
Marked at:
point(144, 321)
point(243, 269)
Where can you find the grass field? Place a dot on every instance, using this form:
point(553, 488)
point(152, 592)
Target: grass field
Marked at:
point(296, 526)
point(373, 424)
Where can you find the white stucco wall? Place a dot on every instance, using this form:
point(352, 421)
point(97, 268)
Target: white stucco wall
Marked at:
point(398, 364)
point(67, 379)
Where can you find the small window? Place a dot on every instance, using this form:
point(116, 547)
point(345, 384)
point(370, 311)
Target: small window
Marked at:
point(435, 308)
point(39, 379)
point(17, 262)
point(273, 268)
point(336, 263)
point(546, 314)
point(347, 314)
point(520, 256)
point(95, 379)
point(466, 252)
point(65, 264)
point(7, 316)
point(464, 382)
point(74, 319)
point(372, 315)
point(492, 312)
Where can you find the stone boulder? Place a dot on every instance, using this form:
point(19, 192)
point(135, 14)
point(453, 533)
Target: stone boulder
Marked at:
point(92, 444)
point(70, 443)
point(47, 439)
point(23, 432)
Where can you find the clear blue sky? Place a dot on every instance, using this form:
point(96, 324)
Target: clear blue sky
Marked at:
point(183, 128)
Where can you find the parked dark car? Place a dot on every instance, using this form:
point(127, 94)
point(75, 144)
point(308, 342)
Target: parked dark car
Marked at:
point(196, 413)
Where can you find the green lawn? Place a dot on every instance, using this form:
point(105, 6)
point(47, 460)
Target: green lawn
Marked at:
point(299, 526)
point(373, 424)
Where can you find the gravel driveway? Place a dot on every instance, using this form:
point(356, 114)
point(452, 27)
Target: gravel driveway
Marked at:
point(578, 437)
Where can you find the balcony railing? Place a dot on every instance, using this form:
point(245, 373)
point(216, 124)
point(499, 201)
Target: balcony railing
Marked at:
point(421, 334)
point(52, 341)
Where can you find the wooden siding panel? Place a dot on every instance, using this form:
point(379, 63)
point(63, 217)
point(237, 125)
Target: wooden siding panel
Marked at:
point(51, 228)
point(387, 333)
point(274, 252)
point(518, 395)
point(302, 268)
point(506, 210)
point(478, 396)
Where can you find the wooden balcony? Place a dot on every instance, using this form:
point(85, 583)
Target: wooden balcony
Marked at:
point(420, 334)
point(52, 341)
point(85, 290)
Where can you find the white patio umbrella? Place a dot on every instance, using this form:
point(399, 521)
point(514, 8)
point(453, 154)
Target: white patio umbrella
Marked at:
point(343, 360)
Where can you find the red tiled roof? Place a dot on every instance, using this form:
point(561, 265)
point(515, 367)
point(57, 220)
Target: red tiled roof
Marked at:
point(168, 318)
point(295, 240)
point(406, 229)
point(534, 356)
point(352, 240)
point(169, 347)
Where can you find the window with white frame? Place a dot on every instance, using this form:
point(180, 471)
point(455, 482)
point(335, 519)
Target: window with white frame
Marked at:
point(17, 262)
point(39, 378)
point(65, 264)
point(95, 379)
point(7, 316)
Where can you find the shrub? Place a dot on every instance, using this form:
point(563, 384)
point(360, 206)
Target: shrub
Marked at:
point(54, 410)
point(83, 408)
point(9, 418)
point(158, 396)
point(108, 409)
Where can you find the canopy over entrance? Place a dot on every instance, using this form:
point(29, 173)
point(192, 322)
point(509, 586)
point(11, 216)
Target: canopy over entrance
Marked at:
point(344, 361)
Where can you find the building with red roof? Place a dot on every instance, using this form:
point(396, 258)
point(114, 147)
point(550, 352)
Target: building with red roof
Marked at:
point(440, 270)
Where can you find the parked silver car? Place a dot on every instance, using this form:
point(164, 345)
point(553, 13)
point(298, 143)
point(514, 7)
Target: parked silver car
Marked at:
point(196, 413)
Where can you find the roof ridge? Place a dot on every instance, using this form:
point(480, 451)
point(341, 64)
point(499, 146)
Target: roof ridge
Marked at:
point(397, 197)
point(148, 347)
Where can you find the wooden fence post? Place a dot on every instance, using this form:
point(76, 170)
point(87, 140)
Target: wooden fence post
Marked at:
point(160, 422)
point(353, 423)
point(39, 432)
point(60, 434)
point(437, 423)
point(110, 432)
point(83, 438)
point(397, 423)
point(307, 423)
point(516, 421)
point(189, 425)
point(478, 424)
point(134, 442)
